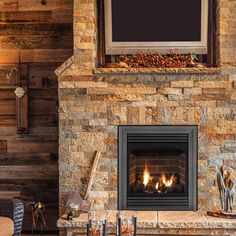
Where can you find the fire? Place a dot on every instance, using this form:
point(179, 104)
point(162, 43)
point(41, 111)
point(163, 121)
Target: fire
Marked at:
point(162, 180)
point(166, 182)
point(146, 175)
point(157, 185)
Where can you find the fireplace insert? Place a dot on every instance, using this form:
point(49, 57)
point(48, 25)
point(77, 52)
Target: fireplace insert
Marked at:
point(157, 168)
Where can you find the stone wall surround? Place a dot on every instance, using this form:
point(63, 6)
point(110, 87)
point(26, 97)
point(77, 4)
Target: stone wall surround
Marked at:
point(93, 101)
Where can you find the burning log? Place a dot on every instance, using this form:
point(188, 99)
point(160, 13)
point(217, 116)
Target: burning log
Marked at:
point(138, 186)
point(156, 184)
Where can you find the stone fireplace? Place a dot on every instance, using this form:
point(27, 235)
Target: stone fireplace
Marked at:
point(94, 101)
point(157, 167)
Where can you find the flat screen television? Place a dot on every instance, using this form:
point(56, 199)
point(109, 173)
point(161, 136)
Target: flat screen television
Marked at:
point(159, 26)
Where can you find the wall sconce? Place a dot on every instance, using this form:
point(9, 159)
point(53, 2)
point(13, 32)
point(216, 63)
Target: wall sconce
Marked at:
point(21, 93)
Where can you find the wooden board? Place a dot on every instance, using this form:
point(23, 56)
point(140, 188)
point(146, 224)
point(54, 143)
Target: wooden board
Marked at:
point(36, 29)
point(9, 194)
point(16, 17)
point(9, 5)
point(43, 35)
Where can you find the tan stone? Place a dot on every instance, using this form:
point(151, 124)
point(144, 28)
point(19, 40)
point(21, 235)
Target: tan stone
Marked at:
point(192, 91)
point(182, 220)
point(212, 84)
point(182, 84)
point(175, 91)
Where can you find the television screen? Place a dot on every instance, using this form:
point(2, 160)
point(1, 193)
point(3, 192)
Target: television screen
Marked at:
point(156, 20)
point(158, 25)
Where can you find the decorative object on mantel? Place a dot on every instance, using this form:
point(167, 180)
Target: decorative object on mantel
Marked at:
point(75, 204)
point(227, 188)
point(21, 92)
point(70, 216)
point(149, 60)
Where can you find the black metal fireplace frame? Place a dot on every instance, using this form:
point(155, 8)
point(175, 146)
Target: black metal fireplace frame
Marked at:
point(188, 203)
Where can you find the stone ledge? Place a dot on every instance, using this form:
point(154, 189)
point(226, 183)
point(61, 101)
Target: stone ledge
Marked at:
point(160, 220)
point(114, 71)
point(65, 66)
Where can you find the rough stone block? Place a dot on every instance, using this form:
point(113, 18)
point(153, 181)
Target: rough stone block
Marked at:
point(182, 84)
point(212, 84)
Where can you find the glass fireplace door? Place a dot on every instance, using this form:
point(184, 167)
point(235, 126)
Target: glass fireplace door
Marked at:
point(157, 169)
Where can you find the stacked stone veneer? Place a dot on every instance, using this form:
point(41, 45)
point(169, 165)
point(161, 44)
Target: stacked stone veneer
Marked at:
point(94, 101)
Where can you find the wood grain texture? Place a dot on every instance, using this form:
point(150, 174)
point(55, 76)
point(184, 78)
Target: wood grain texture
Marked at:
point(9, 194)
point(16, 17)
point(43, 36)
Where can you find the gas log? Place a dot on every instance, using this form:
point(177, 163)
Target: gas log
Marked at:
point(158, 184)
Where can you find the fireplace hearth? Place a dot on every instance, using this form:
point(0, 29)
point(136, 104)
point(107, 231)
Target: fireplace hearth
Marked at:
point(157, 168)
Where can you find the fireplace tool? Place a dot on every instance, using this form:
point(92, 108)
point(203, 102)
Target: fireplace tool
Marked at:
point(37, 210)
point(126, 227)
point(77, 204)
point(98, 228)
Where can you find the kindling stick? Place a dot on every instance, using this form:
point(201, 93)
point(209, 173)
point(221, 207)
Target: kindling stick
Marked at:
point(93, 171)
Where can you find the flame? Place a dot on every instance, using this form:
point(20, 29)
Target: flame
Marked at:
point(168, 182)
point(157, 185)
point(163, 180)
point(146, 175)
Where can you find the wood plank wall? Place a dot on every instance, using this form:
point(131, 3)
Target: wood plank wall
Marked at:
point(43, 36)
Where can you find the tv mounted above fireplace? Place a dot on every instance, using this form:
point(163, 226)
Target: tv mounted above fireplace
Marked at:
point(156, 25)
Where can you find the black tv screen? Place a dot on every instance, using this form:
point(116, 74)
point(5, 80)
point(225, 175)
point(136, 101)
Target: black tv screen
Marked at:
point(156, 20)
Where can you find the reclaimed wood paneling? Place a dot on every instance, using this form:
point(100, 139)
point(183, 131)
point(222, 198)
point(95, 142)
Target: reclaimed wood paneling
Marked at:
point(35, 41)
point(29, 172)
point(9, 5)
point(43, 37)
point(3, 146)
point(9, 194)
point(7, 121)
point(31, 146)
point(16, 17)
point(7, 107)
point(52, 5)
point(36, 29)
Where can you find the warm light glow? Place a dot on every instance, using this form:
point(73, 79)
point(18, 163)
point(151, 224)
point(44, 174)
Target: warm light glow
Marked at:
point(157, 185)
point(146, 175)
point(162, 180)
point(168, 182)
